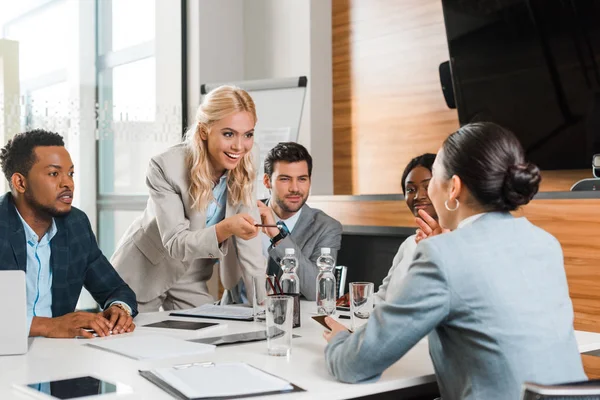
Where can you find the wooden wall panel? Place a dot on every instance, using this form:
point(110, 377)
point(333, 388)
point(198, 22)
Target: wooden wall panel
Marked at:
point(591, 365)
point(370, 213)
point(387, 104)
point(561, 181)
point(574, 223)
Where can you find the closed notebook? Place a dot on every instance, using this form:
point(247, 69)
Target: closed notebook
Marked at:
point(214, 381)
point(150, 347)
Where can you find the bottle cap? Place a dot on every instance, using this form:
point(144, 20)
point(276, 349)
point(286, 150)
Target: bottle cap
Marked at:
point(325, 250)
point(289, 251)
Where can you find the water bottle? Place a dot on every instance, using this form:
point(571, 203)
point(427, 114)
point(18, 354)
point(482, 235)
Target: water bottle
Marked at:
point(325, 283)
point(290, 282)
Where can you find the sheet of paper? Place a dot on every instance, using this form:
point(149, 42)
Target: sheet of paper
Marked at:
point(151, 346)
point(215, 380)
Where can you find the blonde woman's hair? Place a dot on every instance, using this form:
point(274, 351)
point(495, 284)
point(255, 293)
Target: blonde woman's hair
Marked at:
point(218, 104)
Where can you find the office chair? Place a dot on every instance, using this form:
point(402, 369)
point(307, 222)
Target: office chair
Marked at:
point(585, 390)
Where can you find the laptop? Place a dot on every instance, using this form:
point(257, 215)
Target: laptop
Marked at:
point(13, 313)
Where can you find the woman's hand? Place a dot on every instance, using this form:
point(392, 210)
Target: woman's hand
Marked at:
point(428, 226)
point(240, 225)
point(335, 327)
point(267, 218)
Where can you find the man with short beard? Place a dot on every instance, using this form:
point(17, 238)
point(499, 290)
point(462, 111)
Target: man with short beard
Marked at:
point(53, 243)
point(288, 169)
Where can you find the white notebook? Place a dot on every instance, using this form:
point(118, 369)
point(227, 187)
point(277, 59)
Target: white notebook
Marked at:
point(208, 380)
point(234, 312)
point(149, 347)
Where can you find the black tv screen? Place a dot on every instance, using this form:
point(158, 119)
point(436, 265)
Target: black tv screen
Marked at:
point(532, 66)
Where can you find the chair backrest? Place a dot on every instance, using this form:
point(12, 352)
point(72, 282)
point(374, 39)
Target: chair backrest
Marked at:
point(340, 273)
point(585, 390)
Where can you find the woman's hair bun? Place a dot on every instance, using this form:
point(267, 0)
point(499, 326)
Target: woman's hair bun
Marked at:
point(521, 183)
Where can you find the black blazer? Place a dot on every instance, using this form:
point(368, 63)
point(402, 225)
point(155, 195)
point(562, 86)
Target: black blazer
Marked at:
point(76, 260)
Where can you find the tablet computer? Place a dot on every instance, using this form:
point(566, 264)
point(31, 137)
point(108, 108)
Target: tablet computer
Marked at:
point(73, 388)
point(187, 325)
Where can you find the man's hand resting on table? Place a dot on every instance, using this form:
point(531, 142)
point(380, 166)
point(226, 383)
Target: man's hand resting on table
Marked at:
point(114, 319)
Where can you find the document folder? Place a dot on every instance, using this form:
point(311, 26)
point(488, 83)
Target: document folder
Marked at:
point(203, 381)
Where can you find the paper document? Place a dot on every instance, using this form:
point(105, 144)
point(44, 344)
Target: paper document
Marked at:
point(221, 312)
point(208, 380)
point(152, 347)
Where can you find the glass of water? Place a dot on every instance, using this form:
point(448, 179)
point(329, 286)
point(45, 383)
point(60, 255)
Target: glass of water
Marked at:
point(280, 318)
point(361, 302)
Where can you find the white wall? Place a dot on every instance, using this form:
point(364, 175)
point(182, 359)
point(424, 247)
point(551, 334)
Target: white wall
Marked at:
point(232, 40)
point(215, 45)
point(286, 38)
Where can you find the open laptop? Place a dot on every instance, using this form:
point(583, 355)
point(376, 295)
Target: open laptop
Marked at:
point(13, 313)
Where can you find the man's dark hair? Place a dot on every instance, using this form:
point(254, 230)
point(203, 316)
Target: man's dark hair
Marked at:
point(287, 152)
point(18, 155)
point(424, 160)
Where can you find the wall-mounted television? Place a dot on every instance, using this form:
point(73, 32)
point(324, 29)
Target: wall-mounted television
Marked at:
point(534, 67)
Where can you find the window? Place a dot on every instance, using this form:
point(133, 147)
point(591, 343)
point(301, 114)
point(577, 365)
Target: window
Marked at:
point(138, 118)
point(89, 70)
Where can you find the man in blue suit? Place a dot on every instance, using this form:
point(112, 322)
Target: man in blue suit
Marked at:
point(43, 235)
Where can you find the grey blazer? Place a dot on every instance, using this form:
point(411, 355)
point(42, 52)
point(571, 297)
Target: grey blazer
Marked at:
point(314, 230)
point(170, 236)
point(493, 298)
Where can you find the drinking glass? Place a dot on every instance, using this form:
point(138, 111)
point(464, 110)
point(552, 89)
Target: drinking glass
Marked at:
point(280, 313)
point(361, 302)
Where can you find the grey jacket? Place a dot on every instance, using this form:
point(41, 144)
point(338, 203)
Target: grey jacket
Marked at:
point(493, 298)
point(314, 230)
point(170, 236)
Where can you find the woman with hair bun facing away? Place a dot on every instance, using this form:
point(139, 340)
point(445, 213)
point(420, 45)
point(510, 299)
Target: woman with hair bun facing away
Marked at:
point(491, 294)
point(202, 210)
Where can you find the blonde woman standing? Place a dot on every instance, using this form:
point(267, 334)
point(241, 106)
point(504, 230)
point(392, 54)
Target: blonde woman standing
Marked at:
point(201, 210)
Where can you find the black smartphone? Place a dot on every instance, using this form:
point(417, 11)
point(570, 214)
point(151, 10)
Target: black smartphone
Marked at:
point(321, 319)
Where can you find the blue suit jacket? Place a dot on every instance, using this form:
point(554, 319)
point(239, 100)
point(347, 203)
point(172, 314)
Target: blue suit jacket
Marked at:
point(76, 260)
point(493, 298)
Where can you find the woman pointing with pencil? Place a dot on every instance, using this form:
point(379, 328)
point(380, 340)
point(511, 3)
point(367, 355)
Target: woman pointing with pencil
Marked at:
point(202, 210)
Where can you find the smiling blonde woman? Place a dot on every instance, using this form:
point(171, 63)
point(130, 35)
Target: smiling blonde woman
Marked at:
point(202, 209)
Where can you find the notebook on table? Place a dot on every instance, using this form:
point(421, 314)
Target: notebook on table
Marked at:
point(214, 381)
point(231, 312)
point(151, 347)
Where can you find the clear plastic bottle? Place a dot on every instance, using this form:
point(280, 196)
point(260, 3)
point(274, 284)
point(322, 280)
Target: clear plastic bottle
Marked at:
point(326, 283)
point(290, 282)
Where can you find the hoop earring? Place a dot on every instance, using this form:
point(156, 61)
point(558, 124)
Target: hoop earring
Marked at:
point(451, 209)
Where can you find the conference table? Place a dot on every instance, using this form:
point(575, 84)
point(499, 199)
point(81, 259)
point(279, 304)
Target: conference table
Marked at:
point(54, 359)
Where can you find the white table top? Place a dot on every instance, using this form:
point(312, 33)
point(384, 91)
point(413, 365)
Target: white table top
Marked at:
point(51, 359)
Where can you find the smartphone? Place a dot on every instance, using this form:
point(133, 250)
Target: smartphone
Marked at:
point(321, 319)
